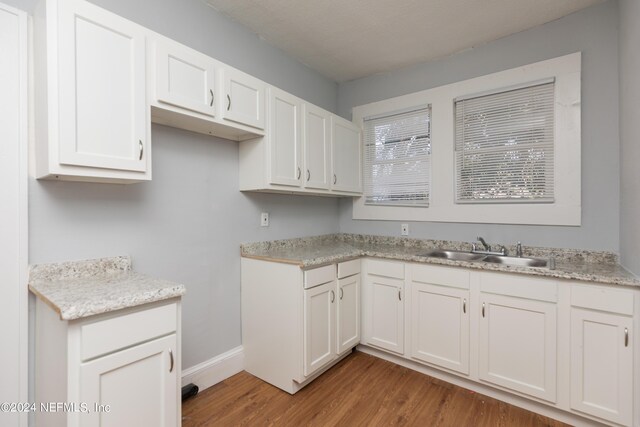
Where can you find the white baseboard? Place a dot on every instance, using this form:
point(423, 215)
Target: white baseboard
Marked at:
point(215, 370)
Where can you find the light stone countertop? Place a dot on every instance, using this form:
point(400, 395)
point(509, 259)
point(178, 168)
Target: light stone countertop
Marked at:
point(80, 289)
point(311, 252)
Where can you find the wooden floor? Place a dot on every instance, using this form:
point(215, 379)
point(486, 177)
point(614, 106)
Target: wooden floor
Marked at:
point(361, 390)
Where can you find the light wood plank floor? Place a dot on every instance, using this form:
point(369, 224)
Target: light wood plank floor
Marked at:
point(361, 390)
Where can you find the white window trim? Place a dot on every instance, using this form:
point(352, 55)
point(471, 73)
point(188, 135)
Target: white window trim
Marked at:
point(566, 209)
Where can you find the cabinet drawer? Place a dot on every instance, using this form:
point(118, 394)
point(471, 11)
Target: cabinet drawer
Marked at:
point(601, 298)
point(115, 333)
point(443, 276)
point(348, 268)
point(519, 285)
point(320, 275)
point(385, 268)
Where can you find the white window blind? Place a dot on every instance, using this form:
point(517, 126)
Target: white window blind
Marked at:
point(397, 158)
point(504, 146)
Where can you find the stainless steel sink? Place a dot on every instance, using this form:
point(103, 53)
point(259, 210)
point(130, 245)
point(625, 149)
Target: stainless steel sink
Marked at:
point(520, 262)
point(496, 259)
point(454, 255)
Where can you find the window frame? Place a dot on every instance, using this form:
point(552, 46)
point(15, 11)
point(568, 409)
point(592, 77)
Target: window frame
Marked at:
point(566, 207)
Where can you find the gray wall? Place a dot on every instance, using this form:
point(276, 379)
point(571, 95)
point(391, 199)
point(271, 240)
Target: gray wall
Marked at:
point(594, 31)
point(187, 224)
point(630, 134)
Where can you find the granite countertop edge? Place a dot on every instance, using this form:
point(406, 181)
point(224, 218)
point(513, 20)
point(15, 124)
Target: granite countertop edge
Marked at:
point(79, 289)
point(565, 269)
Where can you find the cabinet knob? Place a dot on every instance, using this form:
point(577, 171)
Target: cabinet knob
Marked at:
point(308, 175)
point(333, 296)
point(171, 360)
point(299, 172)
point(228, 102)
point(212, 97)
point(482, 309)
point(335, 178)
point(141, 149)
point(341, 293)
point(399, 295)
point(464, 306)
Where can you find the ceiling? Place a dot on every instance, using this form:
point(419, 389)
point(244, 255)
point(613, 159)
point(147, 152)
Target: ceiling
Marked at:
point(348, 39)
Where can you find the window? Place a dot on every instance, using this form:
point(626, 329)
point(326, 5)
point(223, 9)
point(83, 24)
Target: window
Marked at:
point(506, 150)
point(504, 145)
point(397, 158)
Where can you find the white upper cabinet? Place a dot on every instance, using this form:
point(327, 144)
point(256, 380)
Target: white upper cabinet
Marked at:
point(184, 78)
point(284, 138)
point(93, 121)
point(244, 100)
point(186, 90)
point(100, 80)
point(345, 154)
point(317, 147)
point(303, 144)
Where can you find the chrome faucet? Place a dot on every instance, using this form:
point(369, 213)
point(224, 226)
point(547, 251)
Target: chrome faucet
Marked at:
point(486, 246)
point(519, 250)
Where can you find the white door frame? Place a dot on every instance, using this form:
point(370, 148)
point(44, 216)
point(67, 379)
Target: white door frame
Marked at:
point(13, 212)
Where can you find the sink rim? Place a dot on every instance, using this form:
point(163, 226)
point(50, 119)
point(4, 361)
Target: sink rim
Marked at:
point(519, 261)
point(456, 255)
point(469, 256)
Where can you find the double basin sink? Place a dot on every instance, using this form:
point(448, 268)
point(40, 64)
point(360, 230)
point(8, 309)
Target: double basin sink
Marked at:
point(495, 259)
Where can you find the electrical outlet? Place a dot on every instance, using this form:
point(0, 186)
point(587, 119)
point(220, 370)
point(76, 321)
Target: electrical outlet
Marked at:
point(404, 229)
point(264, 219)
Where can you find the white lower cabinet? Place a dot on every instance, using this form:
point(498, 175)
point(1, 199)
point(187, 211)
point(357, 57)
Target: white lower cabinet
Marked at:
point(319, 326)
point(348, 313)
point(517, 337)
point(517, 345)
point(562, 343)
point(296, 324)
point(440, 317)
point(602, 354)
point(149, 400)
point(384, 305)
point(123, 366)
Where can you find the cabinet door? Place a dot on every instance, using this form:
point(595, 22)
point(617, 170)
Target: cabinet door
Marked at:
point(285, 138)
point(139, 385)
point(319, 326)
point(602, 365)
point(517, 347)
point(440, 326)
point(348, 313)
point(317, 147)
point(102, 109)
point(386, 313)
point(345, 155)
point(245, 97)
point(185, 78)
